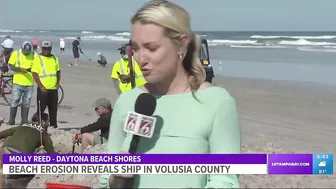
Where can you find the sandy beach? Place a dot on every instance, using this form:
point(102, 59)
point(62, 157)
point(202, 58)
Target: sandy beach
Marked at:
point(275, 116)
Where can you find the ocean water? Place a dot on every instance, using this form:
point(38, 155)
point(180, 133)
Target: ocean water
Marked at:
point(294, 56)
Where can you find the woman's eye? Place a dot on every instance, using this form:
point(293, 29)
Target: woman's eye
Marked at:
point(152, 49)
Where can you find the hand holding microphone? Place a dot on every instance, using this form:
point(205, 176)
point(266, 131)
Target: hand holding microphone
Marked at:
point(140, 124)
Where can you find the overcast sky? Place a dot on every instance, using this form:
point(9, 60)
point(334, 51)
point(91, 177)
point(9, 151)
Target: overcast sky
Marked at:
point(206, 15)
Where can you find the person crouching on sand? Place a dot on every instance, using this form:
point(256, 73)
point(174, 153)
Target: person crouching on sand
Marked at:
point(25, 139)
point(86, 136)
point(101, 60)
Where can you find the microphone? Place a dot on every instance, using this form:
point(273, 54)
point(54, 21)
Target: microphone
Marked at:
point(140, 124)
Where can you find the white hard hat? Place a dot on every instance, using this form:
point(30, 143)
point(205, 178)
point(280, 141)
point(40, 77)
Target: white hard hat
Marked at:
point(61, 39)
point(98, 53)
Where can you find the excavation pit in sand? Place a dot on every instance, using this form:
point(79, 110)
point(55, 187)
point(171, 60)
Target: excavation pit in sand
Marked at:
point(62, 140)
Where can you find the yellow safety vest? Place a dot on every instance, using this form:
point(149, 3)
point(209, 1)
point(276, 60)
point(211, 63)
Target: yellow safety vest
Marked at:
point(19, 78)
point(47, 68)
point(121, 66)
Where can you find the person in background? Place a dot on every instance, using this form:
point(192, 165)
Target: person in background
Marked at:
point(47, 75)
point(206, 119)
point(35, 44)
point(101, 60)
point(104, 110)
point(25, 139)
point(62, 46)
point(121, 73)
point(8, 47)
point(21, 62)
point(76, 48)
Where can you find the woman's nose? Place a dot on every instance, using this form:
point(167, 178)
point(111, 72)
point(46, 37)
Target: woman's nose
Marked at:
point(140, 57)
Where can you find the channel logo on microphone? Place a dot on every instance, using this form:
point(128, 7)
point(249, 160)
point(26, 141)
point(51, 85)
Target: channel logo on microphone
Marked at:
point(131, 121)
point(141, 125)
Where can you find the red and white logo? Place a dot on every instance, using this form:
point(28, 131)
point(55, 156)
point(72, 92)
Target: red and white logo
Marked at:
point(131, 122)
point(146, 126)
point(140, 125)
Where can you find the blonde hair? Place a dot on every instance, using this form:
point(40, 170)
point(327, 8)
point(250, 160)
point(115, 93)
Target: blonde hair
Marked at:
point(176, 22)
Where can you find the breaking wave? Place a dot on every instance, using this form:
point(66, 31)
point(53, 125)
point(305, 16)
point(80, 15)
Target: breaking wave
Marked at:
point(293, 37)
point(304, 42)
point(273, 40)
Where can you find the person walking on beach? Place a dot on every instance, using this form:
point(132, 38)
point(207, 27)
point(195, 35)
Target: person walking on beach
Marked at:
point(121, 73)
point(62, 46)
point(47, 74)
point(75, 50)
point(101, 60)
point(8, 47)
point(21, 62)
point(86, 136)
point(25, 139)
point(35, 44)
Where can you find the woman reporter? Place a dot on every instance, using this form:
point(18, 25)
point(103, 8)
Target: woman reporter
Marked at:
point(206, 120)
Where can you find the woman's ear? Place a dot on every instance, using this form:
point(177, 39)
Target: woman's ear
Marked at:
point(185, 40)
